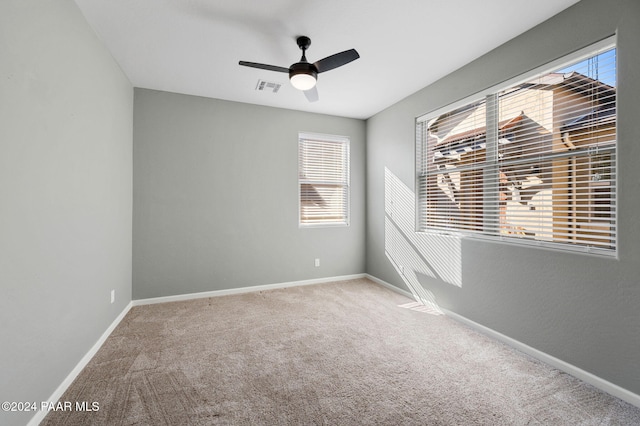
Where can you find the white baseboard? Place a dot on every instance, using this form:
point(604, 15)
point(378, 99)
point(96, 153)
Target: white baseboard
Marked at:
point(585, 376)
point(57, 394)
point(390, 286)
point(226, 292)
point(561, 365)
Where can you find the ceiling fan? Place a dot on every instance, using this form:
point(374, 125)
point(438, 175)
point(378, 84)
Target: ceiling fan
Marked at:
point(303, 75)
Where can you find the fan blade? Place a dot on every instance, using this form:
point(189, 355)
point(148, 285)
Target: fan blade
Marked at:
point(312, 94)
point(264, 66)
point(337, 60)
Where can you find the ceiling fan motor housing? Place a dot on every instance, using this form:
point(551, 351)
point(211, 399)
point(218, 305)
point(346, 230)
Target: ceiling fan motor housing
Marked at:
point(303, 68)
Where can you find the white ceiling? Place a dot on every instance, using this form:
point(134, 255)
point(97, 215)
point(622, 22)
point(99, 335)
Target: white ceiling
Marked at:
point(193, 46)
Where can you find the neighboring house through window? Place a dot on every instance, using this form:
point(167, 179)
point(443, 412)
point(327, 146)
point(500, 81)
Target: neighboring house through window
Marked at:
point(323, 180)
point(530, 163)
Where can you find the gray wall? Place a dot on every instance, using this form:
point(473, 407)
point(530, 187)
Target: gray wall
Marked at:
point(65, 195)
point(216, 197)
point(579, 308)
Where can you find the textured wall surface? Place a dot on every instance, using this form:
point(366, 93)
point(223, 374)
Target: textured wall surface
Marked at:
point(66, 195)
point(216, 197)
point(579, 308)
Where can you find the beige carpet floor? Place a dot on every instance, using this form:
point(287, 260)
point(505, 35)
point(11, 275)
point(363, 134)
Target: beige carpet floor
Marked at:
point(346, 353)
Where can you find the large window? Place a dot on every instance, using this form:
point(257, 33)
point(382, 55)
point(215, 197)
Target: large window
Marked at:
point(533, 162)
point(323, 179)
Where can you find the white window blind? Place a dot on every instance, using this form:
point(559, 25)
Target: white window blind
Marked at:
point(323, 178)
point(533, 162)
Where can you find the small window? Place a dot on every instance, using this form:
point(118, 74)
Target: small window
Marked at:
point(323, 179)
point(533, 162)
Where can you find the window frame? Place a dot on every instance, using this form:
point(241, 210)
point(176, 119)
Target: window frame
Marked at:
point(346, 184)
point(491, 229)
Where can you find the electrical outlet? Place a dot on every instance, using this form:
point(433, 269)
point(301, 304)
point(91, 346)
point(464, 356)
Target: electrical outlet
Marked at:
point(113, 296)
point(317, 262)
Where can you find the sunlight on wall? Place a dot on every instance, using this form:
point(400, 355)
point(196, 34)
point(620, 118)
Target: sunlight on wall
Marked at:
point(412, 253)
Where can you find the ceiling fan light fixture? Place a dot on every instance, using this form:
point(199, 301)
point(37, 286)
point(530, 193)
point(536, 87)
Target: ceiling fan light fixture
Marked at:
point(303, 76)
point(303, 81)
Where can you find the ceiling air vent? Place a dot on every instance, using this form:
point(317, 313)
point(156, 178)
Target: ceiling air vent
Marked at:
point(267, 86)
